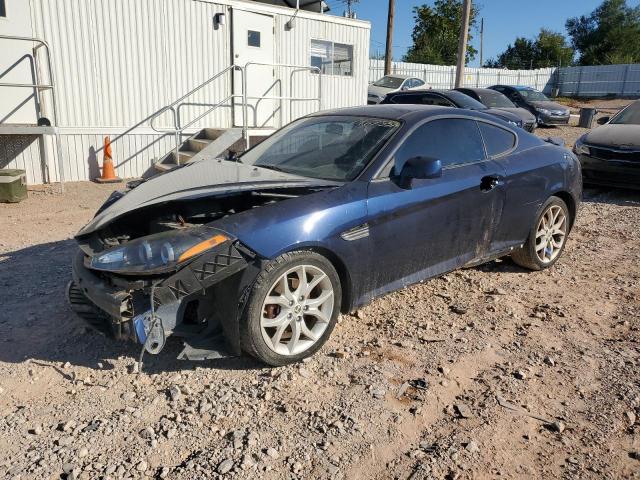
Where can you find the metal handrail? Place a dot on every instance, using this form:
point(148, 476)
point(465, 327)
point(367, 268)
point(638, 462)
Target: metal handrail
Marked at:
point(174, 107)
point(27, 85)
point(38, 86)
point(177, 129)
point(245, 112)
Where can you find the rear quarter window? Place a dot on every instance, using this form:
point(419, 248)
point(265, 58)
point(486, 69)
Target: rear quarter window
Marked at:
point(497, 141)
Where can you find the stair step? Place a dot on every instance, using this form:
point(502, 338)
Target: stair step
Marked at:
point(184, 156)
point(197, 144)
point(210, 133)
point(164, 166)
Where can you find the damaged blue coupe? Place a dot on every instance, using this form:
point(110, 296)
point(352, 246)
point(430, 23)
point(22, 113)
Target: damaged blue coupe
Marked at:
point(260, 253)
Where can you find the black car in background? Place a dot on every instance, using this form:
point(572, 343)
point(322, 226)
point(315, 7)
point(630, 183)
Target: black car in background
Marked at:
point(610, 154)
point(545, 111)
point(449, 98)
point(493, 99)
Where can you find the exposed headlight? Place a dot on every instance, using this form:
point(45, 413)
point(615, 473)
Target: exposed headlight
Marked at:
point(580, 148)
point(517, 124)
point(158, 253)
point(544, 111)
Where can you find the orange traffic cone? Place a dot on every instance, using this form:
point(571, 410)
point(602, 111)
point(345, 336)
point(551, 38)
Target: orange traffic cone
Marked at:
point(108, 172)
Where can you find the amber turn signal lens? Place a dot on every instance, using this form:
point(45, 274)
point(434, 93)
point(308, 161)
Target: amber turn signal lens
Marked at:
point(202, 246)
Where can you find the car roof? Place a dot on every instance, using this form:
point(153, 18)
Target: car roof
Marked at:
point(389, 111)
point(407, 112)
point(397, 76)
point(478, 90)
point(418, 91)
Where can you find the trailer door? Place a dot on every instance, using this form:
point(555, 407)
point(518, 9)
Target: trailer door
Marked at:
point(253, 46)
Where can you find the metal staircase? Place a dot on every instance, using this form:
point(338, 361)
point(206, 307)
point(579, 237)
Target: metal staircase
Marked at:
point(207, 143)
point(216, 142)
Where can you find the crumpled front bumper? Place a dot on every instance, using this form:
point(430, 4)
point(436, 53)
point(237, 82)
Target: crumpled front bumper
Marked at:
point(109, 303)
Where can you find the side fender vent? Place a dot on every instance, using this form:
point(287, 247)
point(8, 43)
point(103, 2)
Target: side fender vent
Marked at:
point(356, 233)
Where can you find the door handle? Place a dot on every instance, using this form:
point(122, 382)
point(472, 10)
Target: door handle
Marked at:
point(489, 182)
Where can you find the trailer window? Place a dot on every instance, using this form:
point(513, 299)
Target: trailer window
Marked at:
point(3, 8)
point(253, 38)
point(332, 58)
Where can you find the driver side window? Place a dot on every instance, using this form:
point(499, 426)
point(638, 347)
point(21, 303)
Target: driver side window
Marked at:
point(453, 141)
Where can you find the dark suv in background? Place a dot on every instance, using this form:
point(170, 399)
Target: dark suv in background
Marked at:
point(493, 99)
point(545, 111)
point(449, 98)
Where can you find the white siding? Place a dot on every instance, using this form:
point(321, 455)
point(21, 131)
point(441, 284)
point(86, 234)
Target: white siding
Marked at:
point(117, 61)
point(337, 91)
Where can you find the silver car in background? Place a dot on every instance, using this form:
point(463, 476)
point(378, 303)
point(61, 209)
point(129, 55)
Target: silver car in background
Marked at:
point(392, 83)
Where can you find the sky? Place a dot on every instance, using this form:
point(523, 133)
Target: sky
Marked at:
point(504, 20)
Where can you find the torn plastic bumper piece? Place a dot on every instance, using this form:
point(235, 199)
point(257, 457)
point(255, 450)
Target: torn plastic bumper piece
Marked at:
point(122, 310)
point(150, 332)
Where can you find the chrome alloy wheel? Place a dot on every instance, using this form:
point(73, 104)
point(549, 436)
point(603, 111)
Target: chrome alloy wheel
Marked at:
point(551, 233)
point(297, 310)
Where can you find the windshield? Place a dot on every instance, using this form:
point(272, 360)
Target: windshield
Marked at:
point(495, 100)
point(328, 147)
point(533, 95)
point(464, 101)
point(389, 82)
point(629, 116)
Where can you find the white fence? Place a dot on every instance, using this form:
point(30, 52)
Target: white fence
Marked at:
point(440, 76)
point(593, 81)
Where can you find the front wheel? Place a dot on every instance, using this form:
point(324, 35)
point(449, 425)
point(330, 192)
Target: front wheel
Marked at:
point(292, 309)
point(547, 238)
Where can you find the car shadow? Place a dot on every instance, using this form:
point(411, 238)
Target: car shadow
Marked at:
point(622, 197)
point(37, 324)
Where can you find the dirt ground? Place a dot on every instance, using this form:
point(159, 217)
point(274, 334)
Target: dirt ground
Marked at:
point(488, 372)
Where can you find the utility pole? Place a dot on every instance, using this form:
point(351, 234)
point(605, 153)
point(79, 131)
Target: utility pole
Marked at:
point(350, 13)
point(462, 45)
point(389, 49)
point(481, 41)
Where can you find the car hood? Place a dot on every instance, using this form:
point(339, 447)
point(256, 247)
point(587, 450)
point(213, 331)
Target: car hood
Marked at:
point(625, 136)
point(196, 180)
point(549, 105)
point(524, 115)
point(380, 91)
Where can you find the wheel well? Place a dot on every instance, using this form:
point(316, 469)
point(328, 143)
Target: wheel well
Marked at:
point(343, 274)
point(571, 204)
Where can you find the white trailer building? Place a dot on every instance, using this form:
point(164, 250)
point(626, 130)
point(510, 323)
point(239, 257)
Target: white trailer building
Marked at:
point(210, 70)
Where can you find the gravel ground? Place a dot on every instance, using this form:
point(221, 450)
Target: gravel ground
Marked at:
point(488, 372)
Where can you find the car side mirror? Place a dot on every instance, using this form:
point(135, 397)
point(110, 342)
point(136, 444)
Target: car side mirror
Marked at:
point(404, 88)
point(420, 168)
point(603, 120)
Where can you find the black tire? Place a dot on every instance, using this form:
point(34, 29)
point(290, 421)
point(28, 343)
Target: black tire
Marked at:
point(526, 256)
point(251, 337)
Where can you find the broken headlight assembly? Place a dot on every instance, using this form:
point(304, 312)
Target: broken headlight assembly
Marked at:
point(157, 253)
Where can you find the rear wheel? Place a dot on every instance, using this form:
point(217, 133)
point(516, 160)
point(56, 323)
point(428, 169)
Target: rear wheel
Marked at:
point(548, 236)
point(292, 309)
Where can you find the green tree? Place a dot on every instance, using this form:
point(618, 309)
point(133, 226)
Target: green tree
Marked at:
point(436, 31)
point(548, 49)
point(552, 50)
point(610, 34)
